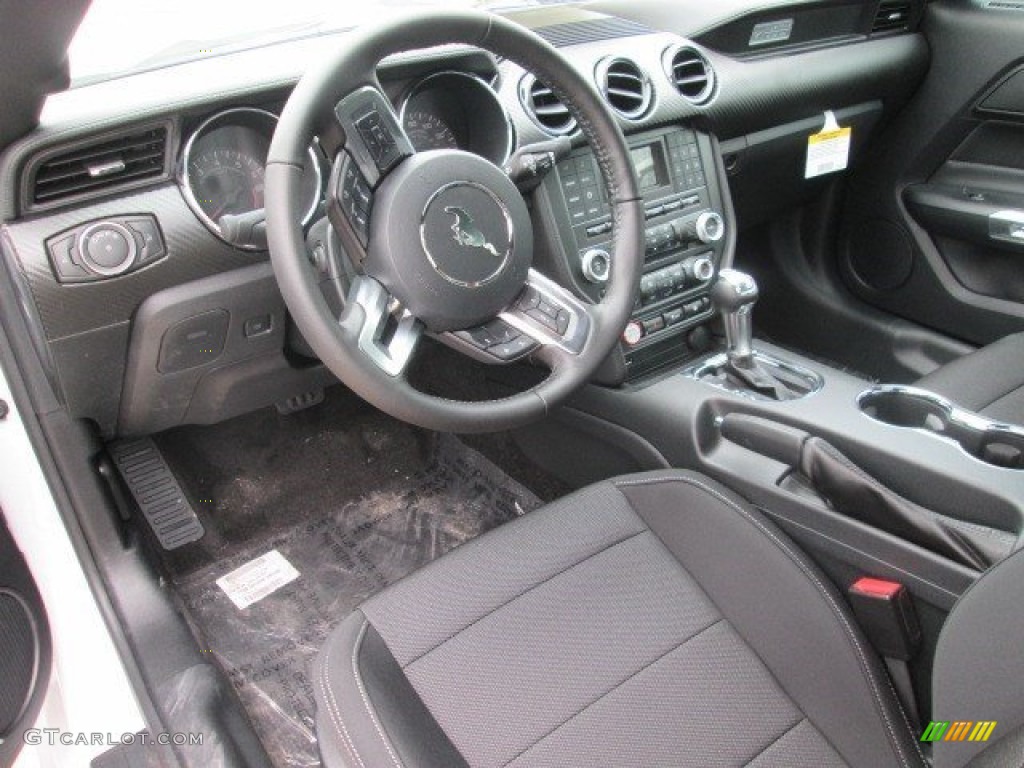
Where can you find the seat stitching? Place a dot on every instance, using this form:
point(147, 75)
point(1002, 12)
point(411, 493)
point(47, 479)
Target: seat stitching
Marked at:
point(777, 739)
point(335, 712)
point(851, 635)
point(366, 700)
point(511, 600)
point(612, 690)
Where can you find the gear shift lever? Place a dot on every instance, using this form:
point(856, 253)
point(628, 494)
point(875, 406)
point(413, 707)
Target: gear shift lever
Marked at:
point(734, 294)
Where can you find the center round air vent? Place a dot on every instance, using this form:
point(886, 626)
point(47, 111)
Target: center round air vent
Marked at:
point(545, 108)
point(627, 89)
point(690, 73)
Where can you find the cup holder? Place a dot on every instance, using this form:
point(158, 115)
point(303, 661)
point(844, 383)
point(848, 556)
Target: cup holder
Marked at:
point(992, 442)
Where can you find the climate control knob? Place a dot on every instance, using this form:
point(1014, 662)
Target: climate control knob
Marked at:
point(708, 227)
point(596, 265)
point(700, 270)
point(107, 248)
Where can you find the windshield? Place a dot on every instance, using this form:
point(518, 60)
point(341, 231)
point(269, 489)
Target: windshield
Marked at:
point(118, 37)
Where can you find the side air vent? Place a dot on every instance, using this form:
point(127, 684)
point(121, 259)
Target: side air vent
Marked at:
point(892, 16)
point(98, 167)
point(545, 108)
point(691, 74)
point(626, 88)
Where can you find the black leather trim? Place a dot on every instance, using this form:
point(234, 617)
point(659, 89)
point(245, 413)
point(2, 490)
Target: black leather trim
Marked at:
point(784, 608)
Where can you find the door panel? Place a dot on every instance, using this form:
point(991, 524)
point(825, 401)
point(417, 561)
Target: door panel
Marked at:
point(918, 237)
point(24, 648)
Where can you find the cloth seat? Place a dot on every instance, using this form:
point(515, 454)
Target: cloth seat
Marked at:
point(652, 620)
point(989, 381)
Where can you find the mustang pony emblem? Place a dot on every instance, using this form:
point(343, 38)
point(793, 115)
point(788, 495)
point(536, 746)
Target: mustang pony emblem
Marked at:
point(467, 232)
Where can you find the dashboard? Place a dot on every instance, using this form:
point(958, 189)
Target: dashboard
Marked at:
point(133, 215)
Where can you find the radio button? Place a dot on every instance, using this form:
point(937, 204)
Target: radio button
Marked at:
point(654, 324)
point(674, 316)
point(596, 265)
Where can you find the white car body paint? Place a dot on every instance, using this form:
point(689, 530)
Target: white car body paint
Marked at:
point(89, 691)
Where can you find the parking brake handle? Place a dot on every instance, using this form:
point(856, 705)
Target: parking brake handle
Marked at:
point(852, 492)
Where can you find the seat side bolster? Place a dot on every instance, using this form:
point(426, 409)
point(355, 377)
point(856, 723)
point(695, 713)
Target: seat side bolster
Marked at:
point(784, 608)
point(387, 724)
point(979, 666)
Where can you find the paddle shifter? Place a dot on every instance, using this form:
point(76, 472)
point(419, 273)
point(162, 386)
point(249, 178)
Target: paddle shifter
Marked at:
point(734, 294)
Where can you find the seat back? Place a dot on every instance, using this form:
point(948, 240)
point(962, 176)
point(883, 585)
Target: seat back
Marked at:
point(978, 676)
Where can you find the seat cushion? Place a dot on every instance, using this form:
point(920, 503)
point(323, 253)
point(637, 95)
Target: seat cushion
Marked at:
point(988, 381)
point(651, 620)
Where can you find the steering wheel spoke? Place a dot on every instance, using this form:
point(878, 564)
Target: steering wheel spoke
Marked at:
point(385, 333)
point(545, 321)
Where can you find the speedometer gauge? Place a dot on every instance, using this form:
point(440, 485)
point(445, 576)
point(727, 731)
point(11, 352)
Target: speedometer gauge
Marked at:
point(457, 110)
point(428, 131)
point(223, 169)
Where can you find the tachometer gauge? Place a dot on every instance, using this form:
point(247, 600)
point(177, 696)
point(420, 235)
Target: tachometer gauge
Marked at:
point(223, 169)
point(226, 181)
point(428, 131)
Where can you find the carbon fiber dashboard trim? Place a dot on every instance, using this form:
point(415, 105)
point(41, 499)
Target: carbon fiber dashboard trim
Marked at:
point(67, 310)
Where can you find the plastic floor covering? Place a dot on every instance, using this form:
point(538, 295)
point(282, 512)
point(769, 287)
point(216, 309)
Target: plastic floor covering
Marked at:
point(356, 539)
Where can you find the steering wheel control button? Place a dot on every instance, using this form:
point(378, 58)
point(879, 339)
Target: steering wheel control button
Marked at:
point(513, 349)
point(356, 198)
point(596, 265)
point(530, 299)
point(107, 248)
point(374, 137)
point(378, 139)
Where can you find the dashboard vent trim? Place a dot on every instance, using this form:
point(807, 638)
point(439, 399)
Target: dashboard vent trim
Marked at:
point(892, 16)
point(544, 108)
point(691, 73)
point(591, 31)
point(625, 87)
point(98, 166)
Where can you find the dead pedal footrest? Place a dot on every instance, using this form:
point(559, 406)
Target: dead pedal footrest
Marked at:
point(155, 489)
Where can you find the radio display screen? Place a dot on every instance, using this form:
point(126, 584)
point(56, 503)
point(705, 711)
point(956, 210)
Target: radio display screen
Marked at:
point(649, 164)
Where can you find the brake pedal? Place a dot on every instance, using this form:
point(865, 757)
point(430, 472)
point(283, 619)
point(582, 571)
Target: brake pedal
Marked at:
point(157, 492)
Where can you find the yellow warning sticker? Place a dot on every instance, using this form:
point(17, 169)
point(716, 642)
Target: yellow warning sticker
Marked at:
point(828, 151)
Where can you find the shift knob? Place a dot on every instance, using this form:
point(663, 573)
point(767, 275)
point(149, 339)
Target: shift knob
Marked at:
point(734, 294)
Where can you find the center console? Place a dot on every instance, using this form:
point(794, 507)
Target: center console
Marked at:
point(684, 245)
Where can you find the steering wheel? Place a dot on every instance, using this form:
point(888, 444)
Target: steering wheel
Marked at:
point(440, 242)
